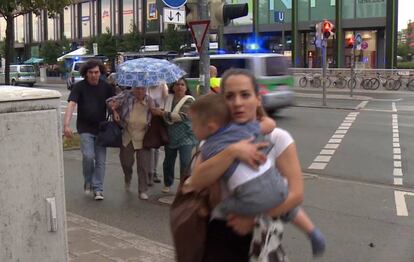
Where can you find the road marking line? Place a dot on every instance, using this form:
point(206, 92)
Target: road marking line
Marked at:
point(317, 166)
point(397, 151)
point(338, 136)
point(397, 157)
point(335, 141)
point(398, 181)
point(398, 172)
point(395, 135)
point(331, 146)
point(400, 204)
point(395, 130)
point(349, 121)
point(361, 105)
point(395, 139)
point(327, 152)
point(346, 124)
point(395, 144)
point(322, 159)
point(343, 127)
point(394, 108)
point(350, 118)
point(341, 131)
point(397, 163)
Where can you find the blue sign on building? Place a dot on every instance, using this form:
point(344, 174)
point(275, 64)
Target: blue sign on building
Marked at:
point(279, 17)
point(174, 3)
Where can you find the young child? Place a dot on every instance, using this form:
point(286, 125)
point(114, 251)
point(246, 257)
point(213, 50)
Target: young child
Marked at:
point(252, 192)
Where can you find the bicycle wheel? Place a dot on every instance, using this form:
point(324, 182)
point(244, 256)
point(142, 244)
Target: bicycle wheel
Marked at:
point(303, 81)
point(410, 85)
point(397, 84)
point(316, 82)
point(389, 85)
point(374, 84)
point(352, 83)
point(340, 82)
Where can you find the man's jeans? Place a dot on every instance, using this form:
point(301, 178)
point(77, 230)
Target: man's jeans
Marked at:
point(93, 161)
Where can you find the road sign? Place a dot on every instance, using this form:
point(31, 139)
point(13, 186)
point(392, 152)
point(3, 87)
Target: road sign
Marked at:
point(279, 17)
point(174, 16)
point(174, 3)
point(152, 13)
point(364, 45)
point(95, 48)
point(358, 39)
point(198, 31)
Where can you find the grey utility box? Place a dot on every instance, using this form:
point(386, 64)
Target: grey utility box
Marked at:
point(32, 195)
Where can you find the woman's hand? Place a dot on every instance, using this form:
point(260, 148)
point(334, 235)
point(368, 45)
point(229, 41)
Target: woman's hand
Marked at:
point(156, 111)
point(116, 116)
point(240, 224)
point(249, 153)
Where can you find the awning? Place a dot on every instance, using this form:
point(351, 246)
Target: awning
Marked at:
point(77, 52)
point(33, 60)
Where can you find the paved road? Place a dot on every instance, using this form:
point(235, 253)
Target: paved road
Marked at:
point(357, 156)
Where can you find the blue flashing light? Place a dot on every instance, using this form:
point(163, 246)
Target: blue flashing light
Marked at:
point(76, 58)
point(254, 45)
point(221, 51)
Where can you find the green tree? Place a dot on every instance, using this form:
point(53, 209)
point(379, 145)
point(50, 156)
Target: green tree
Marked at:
point(50, 51)
point(131, 41)
point(173, 39)
point(10, 9)
point(107, 45)
point(404, 51)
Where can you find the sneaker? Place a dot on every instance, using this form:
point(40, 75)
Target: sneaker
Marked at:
point(87, 188)
point(166, 189)
point(98, 195)
point(156, 179)
point(143, 196)
point(318, 242)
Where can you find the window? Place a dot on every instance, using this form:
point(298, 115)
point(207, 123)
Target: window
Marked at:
point(277, 66)
point(19, 29)
point(106, 15)
point(370, 8)
point(51, 28)
point(67, 22)
point(13, 69)
point(128, 16)
point(303, 11)
point(2, 28)
point(322, 9)
point(224, 64)
point(86, 20)
point(26, 69)
point(348, 8)
point(36, 28)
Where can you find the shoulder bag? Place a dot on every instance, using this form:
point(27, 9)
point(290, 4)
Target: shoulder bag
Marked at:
point(156, 134)
point(109, 134)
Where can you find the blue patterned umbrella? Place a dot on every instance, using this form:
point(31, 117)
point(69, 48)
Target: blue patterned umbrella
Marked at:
point(147, 72)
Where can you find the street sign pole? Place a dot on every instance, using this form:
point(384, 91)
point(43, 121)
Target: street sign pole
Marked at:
point(204, 54)
point(352, 70)
point(324, 45)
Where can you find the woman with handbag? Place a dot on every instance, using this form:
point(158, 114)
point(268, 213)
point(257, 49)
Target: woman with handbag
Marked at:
point(180, 135)
point(131, 109)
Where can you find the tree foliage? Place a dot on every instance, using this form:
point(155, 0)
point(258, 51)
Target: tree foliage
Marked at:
point(10, 9)
point(173, 39)
point(107, 44)
point(131, 41)
point(405, 51)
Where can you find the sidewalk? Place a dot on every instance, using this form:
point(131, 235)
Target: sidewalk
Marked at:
point(90, 241)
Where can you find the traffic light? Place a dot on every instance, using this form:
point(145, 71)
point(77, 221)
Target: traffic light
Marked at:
point(350, 42)
point(222, 13)
point(328, 29)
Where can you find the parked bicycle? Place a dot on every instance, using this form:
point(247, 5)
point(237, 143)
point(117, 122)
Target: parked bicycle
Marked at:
point(313, 79)
point(340, 81)
point(357, 78)
point(375, 82)
point(398, 82)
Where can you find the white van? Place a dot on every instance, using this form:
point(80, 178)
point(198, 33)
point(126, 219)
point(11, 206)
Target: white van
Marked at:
point(20, 74)
point(271, 71)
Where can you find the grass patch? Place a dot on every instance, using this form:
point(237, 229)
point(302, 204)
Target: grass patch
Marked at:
point(71, 143)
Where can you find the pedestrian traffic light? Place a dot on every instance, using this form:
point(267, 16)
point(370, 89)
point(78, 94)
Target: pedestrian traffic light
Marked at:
point(350, 42)
point(328, 29)
point(222, 13)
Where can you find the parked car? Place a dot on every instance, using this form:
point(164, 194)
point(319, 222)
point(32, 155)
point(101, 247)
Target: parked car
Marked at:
point(271, 71)
point(74, 75)
point(20, 74)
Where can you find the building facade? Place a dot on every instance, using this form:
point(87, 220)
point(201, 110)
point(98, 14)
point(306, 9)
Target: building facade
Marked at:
point(282, 26)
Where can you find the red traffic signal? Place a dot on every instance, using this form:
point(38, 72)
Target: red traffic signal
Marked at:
point(350, 42)
point(327, 29)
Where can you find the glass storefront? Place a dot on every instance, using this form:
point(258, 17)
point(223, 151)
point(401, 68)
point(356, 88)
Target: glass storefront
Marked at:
point(322, 9)
point(365, 53)
point(19, 29)
point(128, 15)
point(370, 8)
point(86, 19)
point(36, 27)
point(67, 22)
